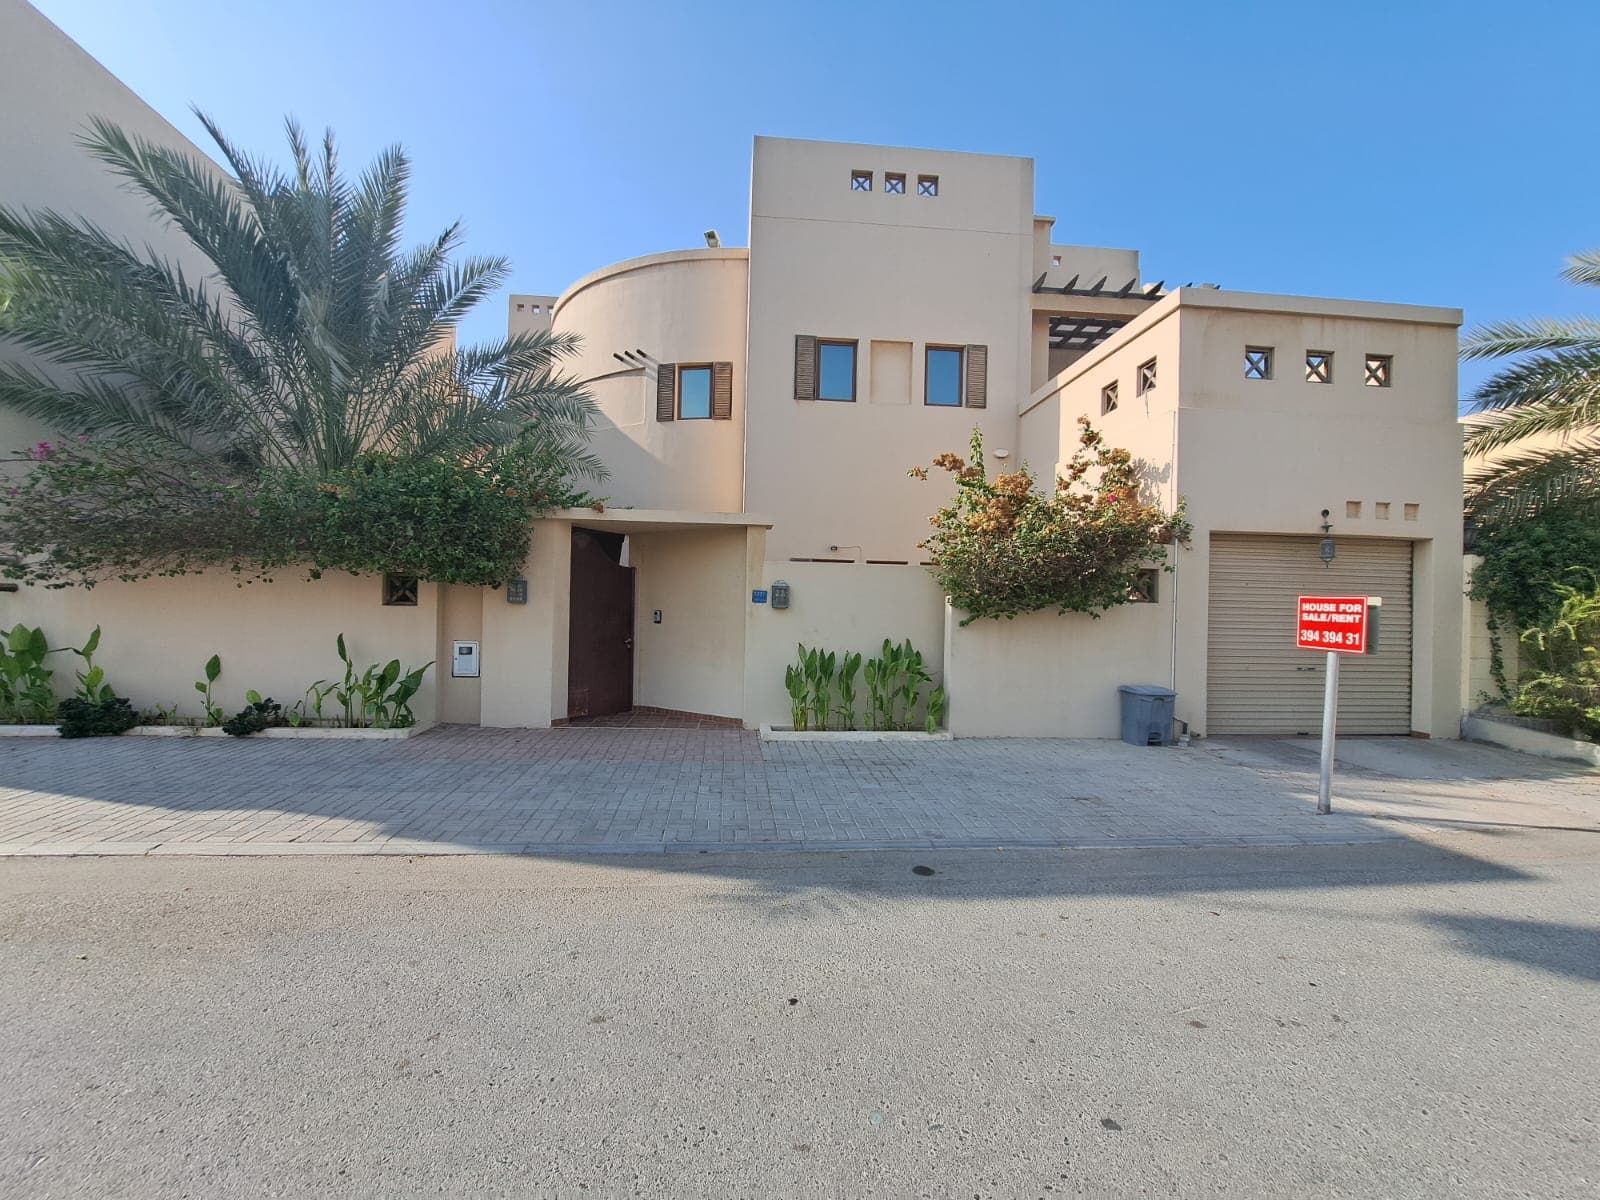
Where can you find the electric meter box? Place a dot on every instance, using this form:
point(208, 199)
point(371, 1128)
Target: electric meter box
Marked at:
point(464, 660)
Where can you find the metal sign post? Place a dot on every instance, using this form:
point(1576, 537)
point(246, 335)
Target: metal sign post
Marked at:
point(1330, 719)
point(1338, 625)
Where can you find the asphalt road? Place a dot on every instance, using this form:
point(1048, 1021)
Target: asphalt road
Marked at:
point(1405, 1019)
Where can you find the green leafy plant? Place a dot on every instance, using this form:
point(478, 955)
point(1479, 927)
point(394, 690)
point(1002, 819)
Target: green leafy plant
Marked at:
point(256, 715)
point(938, 704)
point(820, 667)
point(379, 696)
point(105, 717)
point(160, 714)
point(213, 672)
point(895, 679)
point(799, 689)
point(1564, 657)
point(1001, 547)
point(92, 685)
point(26, 695)
point(849, 668)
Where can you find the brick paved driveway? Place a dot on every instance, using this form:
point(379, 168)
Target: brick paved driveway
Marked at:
point(607, 790)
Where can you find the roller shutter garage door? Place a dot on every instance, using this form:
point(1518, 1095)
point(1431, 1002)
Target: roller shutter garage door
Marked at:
point(1258, 681)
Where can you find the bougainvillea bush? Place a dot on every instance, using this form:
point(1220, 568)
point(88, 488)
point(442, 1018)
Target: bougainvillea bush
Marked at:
point(1004, 546)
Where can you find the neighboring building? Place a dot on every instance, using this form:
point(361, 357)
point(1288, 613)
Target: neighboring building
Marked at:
point(760, 409)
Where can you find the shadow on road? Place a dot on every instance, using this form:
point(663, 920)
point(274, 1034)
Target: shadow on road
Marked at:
point(1561, 949)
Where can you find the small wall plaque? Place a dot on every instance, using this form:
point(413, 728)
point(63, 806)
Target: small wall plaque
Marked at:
point(758, 596)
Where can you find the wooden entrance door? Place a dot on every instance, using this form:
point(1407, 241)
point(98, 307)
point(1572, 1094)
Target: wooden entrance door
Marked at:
point(600, 631)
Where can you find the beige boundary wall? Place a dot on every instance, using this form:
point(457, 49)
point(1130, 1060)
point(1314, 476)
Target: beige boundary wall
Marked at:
point(1051, 675)
point(845, 607)
point(275, 638)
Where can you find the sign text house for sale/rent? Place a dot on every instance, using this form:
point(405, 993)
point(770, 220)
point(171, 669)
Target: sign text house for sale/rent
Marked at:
point(1332, 623)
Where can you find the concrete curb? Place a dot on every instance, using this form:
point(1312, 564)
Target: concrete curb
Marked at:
point(769, 734)
point(400, 848)
point(1529, 741)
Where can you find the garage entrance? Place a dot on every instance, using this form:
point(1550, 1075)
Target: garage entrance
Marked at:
point(1258, 681)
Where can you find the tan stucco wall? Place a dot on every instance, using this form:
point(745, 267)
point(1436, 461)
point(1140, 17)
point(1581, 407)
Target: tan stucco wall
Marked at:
point(524, 682)
point(276, 638)
point(461, 620)
point(683, 307)
point(1048, 675)
point(49, 89)
point(694, 660)
point(838, 606)
point(951, 270)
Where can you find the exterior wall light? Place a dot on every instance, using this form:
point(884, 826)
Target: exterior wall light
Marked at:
point(517, 591)
point(1327, 551)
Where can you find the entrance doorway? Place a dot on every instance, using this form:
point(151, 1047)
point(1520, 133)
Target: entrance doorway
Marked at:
point(600, 630)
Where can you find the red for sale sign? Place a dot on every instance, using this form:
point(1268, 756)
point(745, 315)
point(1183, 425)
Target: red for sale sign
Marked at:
point(1337, 623)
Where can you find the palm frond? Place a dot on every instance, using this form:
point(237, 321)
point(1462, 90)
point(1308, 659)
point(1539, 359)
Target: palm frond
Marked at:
point(1522, 337)
point(1583, 267)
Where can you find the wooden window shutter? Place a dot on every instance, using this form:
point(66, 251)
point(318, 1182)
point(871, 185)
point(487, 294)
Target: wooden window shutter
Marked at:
point(722, 391)
point(977, 364)
point(805, 366)
point(667, 391)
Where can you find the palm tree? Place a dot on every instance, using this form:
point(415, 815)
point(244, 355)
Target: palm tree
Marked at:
point(1540, 439)
point(314, 337)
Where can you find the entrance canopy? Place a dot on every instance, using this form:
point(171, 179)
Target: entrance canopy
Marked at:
point(657, 520)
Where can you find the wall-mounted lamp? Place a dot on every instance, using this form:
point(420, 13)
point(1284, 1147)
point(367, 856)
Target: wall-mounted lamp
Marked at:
point(1327, 551)
point(1002, 454)
point(517, 591)
point(712, 239)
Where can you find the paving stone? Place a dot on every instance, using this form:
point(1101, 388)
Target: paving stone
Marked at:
point(638, 790)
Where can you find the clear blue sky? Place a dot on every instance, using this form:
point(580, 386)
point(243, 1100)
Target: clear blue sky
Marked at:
point(1405, 150)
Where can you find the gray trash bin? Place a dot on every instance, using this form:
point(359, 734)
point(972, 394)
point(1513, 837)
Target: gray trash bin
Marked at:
point(1147, 714)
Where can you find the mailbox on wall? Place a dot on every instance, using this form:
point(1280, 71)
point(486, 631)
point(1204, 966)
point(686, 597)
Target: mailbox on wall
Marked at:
point(464, 660)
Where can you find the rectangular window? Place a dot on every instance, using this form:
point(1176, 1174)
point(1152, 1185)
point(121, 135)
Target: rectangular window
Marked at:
point(942, 386)
point(694, 393)
point(927, 185)
point(836, 371)
point(1258, 362)
point(1380, 370)
point(860, 181)
point(1147, 378)
point(894, 183)
point(1319, 366)
point(400, 591)
point(1146, 581)
point(1108, 399)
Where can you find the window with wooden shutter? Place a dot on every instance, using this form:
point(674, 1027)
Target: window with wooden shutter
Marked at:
point(805, 366)
point(977, 364)
point(666, 391)
point(722, 391)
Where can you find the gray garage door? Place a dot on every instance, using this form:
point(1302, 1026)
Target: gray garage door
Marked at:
point(1258, 681)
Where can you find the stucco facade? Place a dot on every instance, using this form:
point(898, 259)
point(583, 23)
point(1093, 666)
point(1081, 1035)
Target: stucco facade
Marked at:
point(759, 408)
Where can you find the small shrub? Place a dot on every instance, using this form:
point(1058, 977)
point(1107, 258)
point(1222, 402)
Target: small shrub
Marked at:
point(1565, 656)
point(96, 718)
point(1002, 547)
point(255, 716)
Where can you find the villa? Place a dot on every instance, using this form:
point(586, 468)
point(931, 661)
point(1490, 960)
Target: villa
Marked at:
point(760, 408)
